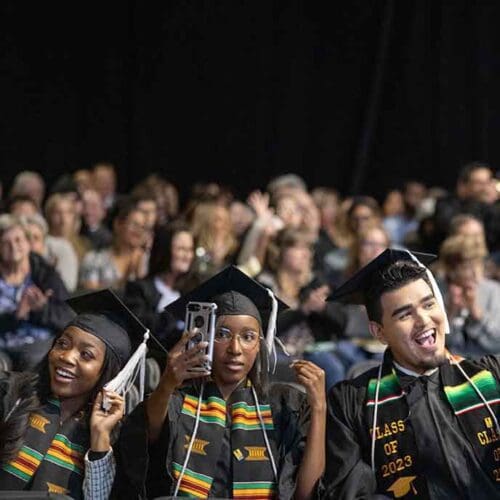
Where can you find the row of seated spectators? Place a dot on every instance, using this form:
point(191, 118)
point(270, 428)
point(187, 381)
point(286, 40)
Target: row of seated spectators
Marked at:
point(301, 243)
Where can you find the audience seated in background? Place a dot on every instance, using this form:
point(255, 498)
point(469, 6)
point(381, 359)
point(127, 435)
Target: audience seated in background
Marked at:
point(125, 259)
point(104, 182)
point(215, 242)
point(289, 265)
point(350, 340)
point(403, 225)
point(169, 264)
point(248, 233)
point(165, 195)
point(30, 184)
point(64, 222)
point(330, 246)
point(32, 297)
point(57, 251)
point(472, 196)
point(83, 180)
point(93, 214)
point(472, 301)
point(22, 205)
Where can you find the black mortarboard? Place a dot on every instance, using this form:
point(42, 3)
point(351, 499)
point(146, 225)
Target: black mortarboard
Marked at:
point(354, 290)
point(234, 293)
point(104, 315)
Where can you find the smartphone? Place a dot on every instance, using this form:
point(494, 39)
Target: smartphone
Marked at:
point(201, 315)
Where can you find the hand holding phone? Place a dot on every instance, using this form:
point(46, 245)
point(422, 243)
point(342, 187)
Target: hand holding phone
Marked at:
point(201, 316)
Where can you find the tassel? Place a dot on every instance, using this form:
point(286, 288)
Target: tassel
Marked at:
point(271, 332)
point(124, 380)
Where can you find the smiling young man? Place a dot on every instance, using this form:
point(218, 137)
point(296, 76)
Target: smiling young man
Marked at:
point(417, 426)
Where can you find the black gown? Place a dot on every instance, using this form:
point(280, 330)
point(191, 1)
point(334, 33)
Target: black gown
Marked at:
point(449, 464)
point(143, 470)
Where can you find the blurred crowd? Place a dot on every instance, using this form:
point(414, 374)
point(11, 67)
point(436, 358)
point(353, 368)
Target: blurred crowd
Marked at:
point(80, 234)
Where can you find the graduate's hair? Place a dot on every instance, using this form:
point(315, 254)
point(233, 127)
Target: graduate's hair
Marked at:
point(110, 368)
point(393, 277)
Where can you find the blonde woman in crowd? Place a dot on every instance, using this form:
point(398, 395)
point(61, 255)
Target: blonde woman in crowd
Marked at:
point(289, 266)
point(216, 244)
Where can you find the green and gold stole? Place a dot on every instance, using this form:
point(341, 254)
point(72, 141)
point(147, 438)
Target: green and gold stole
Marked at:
point(252, 471)
point(396, 458)
point(52, 456)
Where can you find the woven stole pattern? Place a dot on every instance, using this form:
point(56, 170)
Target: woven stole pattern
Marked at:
point(463, 397)
point(397, 467)
point(252, 473)
point(52, 456)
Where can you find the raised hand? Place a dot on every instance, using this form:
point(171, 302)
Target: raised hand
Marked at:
point(102, 422)
point(259, 201)
point(33, 299)
point(312, 377)
point(180, 362)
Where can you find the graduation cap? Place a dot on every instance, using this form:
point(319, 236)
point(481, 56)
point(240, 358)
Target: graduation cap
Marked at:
point(235, 293)
point(355, 289)
point(105, 316)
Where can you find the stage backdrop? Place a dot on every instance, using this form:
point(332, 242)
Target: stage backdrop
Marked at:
point(359, 95)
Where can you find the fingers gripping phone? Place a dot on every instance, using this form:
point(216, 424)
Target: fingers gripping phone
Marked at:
point(201, 315)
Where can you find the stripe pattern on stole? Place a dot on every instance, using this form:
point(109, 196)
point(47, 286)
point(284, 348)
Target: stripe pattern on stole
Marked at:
point(389, 390)
point(25, 464)
point(213, 409)
point(245, 417)
point(193, 484)
point(64, 453)
point(257, 490)
point(463, 397)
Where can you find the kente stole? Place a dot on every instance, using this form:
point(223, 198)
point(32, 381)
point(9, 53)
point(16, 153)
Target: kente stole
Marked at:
point(252, 471)
point(396, 454)
point(52, 456)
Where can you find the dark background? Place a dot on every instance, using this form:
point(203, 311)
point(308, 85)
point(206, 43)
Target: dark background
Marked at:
point(359, 95)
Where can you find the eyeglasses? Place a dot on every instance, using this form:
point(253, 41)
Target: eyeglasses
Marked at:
point(248, 340)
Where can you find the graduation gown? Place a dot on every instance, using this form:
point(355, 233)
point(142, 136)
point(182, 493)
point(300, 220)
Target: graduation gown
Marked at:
point(444, 454)
point(143, 470)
